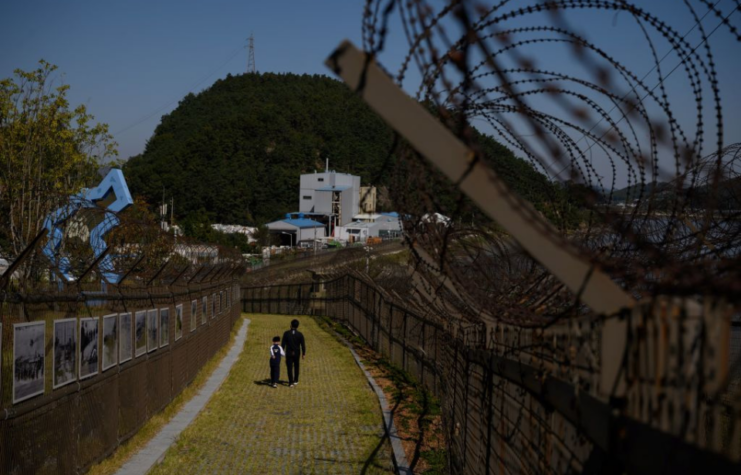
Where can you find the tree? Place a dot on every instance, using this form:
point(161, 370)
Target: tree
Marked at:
point(48, 152)
point(238, 149)
point(263, 237)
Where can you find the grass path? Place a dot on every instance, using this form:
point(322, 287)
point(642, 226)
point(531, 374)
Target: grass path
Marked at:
point(330, 423)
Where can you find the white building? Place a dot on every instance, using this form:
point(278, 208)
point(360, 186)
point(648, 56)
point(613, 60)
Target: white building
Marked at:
point(330, 193)
point(298, 229)
point(386, 225)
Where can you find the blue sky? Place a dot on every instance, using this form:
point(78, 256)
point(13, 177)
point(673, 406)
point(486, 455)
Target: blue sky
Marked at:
point(131, 61)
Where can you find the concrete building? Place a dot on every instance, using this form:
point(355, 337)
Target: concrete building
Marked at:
point(380, 225)
point(297, 230)
point(330, 193)
point(368, 196)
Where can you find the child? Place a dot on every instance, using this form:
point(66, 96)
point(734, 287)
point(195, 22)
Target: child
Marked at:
point(276, 352)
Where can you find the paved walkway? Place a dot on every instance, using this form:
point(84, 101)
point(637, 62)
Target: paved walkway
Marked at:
point(330, 423)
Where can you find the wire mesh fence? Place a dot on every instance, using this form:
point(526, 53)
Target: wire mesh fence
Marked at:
point(593, 242)
point(528, 400)
point(82, 373)
point(105, 319)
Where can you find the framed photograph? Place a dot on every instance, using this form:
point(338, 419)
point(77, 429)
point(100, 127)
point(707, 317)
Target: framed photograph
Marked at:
point(64, 357)
point(124, 341)
point(152, 324)
point(110, 341)
point(213, 306)
point(204, 310)
point(88, 347)
point(140, 332)
point(29, 340)
point(193, 316)
point(164, 327)
point(178, 322)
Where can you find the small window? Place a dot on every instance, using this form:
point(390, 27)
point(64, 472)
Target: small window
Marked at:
point(306, 197)
point(320, 179)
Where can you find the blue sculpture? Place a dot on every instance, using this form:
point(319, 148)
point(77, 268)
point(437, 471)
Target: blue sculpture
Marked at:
point(112, 194)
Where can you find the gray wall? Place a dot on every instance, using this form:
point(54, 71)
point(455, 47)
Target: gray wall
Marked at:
point(307, 234)
point(323, 202)
point(349, 205)
point(318, 203)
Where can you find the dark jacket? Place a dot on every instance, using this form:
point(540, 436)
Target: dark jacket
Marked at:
point(275, 351)
point(293, 342)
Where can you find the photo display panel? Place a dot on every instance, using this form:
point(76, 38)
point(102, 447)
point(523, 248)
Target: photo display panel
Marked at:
point(65, 352)
point(29, 340)
point(125, 349)
point(89, 350)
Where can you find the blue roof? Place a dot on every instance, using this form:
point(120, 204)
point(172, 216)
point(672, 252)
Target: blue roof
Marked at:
point(304, 223)
point(336, 188)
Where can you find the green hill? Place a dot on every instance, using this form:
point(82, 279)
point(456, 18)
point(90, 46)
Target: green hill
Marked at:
point(234, 152)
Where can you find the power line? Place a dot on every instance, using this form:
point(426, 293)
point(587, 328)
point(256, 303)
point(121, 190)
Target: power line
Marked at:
point(190, 89)
point(655, 66)
point(589, 148)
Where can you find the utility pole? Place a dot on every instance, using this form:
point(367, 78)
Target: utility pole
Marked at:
point(251, 68)
point(368, 250)
point(163, 211)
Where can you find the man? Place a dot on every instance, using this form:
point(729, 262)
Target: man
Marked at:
point(293, 343)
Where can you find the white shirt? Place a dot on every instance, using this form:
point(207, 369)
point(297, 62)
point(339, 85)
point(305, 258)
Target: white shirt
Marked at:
point(283, 353)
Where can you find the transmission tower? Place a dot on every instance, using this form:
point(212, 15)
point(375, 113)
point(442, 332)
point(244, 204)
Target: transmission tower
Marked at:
point(251, 55)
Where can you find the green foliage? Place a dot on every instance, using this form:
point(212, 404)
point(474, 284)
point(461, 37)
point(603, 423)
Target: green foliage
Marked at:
point(236, 150)
point(437, 461)
point(48, 151)
point(198, 226)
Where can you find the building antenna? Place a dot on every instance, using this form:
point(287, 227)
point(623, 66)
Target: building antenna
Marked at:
point(251, 68)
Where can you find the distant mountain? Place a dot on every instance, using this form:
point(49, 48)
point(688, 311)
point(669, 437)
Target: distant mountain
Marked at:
point(727, 196)
point(234, 152)
point(631, 193)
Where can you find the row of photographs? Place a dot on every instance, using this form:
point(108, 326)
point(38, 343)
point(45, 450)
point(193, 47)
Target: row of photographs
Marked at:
point(76, 353)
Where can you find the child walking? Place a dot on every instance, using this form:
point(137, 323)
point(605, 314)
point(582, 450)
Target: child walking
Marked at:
point(276, 352)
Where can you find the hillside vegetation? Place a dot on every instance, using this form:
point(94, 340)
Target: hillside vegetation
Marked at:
point(234, 152)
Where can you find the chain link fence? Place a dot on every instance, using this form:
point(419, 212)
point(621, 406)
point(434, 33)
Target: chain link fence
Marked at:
point(82, 373)
point(530, 400)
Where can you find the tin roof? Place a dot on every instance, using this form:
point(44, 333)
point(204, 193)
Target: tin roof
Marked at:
point(300, 223)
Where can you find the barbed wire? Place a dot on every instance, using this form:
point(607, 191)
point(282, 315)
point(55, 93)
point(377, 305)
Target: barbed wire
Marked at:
point(634, 170)
point(630, 180)
point(89, 246)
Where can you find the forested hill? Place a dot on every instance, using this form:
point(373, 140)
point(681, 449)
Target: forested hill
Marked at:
point(234, 152)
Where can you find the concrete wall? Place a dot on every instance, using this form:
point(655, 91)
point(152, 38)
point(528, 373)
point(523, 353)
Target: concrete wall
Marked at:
point(349, 202)
point(323, 202)
point(306, 205)
point(367, 199)
point(317, 202)
point(307, 234)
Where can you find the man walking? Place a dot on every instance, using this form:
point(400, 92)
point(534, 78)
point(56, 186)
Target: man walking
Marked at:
point(293, 343)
